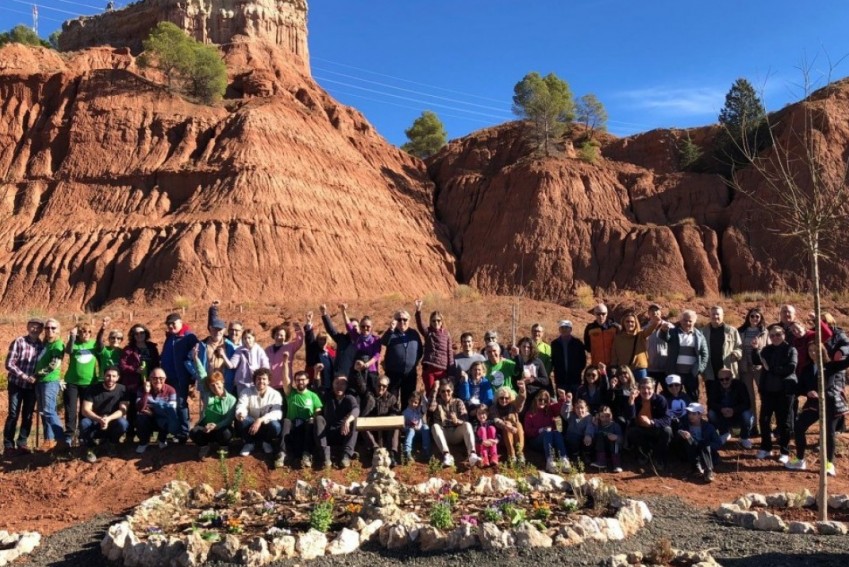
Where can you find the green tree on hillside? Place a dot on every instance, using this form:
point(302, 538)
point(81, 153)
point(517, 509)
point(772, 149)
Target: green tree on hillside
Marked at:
point(195, 68)
point(547, 102)
point(742, 118)
point(22, 34)
point(591, 112)
point(427, 135)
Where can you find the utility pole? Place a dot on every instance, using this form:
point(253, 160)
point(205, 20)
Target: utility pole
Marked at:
point(35, 19)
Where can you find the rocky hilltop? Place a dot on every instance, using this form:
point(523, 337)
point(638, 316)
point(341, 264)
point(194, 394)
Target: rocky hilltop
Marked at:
point(279, 22)
point(631, 221)
point(114, 187)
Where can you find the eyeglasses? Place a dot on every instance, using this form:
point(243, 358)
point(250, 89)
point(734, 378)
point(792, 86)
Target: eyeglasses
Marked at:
point(157, 377)
point(399, 319)
point(601, 313)
point(116, 338)
point(776, 335)
point(382, 386)
point(51, 328)
point(504, 398)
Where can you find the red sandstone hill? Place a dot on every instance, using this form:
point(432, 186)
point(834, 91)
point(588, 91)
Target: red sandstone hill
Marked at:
point(114, 187)
point(631, 221)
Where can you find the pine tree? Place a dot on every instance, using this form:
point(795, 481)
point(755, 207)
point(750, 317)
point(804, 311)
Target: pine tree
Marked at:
point(591, 112)
point(547, 102)
point(427, 135)
point(743, 112)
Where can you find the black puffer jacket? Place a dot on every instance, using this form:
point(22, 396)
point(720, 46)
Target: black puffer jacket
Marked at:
point(779, 372)
point(835, 386)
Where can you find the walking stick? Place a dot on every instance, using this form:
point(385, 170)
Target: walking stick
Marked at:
point(37, 414)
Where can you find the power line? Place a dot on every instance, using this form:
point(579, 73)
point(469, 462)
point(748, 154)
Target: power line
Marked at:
point(430, 103)
point(42, 6)
point(499, 109)
point(314, 58)
point(29, 14)
point(335, 92)
point(98, 8)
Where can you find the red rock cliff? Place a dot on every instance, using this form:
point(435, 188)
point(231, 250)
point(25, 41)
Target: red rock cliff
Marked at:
point(114, 187)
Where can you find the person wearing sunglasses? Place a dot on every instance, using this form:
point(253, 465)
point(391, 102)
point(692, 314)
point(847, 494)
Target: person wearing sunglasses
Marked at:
point(777, 389)
point(108, 352)
point(752, 331)
point(366, 342)
point(81, 372)
point(729, 406)
point(451, 425)
point(568, 357)
point(688, 351)
point(140, 356)
point(630, 344)
point(599, 334)
point(438, 354)
point(404, 350)
point(48, 369)
point(506, 410)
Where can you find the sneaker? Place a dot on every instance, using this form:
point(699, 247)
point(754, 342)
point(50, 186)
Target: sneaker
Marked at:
point(247, 449)
point(406, 458)
point(617, 469)
point(521, 459)
point(599, 466)
point(203, 452)
point(346, 461)
point(163, 443)
point(830, 470)
point(90, 457)
point(550, 466)
point(280, 461)
point(725, 437)
point(306, 461)
point(783, 459)
point(141, 448)
point(474, 459)
point(448, 460)
point(746, 443)
point(796, 465)
point(267, 448)
point(708, 476)
point(564, 465)
point(762, 454)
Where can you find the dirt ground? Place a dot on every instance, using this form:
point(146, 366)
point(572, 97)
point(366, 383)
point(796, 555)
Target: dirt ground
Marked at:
point(48, 492)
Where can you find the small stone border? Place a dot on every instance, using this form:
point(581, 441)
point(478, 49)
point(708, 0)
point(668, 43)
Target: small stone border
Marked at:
point(741, 513)
point(677, 557)
point(122, 545)
point(15, 545)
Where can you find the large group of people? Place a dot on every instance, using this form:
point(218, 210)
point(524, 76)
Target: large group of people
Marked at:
point(646, 388)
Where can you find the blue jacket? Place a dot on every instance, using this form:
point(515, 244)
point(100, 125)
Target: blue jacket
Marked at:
point(175, 352)
point(485, 396)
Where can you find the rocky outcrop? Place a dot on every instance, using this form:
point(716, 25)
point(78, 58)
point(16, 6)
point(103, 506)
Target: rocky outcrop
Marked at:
point(114, 187)
point(632, 220)
point(282, 23)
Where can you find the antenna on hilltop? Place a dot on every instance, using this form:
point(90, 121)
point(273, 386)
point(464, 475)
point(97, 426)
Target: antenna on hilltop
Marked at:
point(35, 19)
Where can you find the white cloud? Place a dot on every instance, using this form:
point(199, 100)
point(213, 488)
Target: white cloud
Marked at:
point(676, 101)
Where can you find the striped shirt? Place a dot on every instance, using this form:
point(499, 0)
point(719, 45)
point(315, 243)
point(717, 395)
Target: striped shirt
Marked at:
point(23, 356)
point(687, 355)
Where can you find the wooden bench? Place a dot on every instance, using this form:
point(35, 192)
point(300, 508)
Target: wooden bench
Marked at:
point(380, 423)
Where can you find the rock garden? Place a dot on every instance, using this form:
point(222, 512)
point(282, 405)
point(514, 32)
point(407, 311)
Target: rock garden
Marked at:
point(792, 512)
point(189, 525)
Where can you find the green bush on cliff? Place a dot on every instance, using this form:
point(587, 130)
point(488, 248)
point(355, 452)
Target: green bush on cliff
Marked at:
point(22, 34)
point(427, 135)
point(190, 66)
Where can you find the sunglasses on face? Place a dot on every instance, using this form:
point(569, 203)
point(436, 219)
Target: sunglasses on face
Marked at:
point(504, 398)
point(404, 319)
point(725, 379)
point(383, 387)
point(116, 338)
point(51, 328)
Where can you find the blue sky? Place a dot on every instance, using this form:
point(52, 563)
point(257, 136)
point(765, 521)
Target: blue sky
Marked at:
point(659, 63)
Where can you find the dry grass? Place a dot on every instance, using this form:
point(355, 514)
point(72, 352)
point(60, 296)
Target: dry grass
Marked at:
point(466, 293)
point(182, 302)
point(584, 297)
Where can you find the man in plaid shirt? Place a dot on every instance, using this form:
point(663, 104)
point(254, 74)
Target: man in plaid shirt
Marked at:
point(23, 354)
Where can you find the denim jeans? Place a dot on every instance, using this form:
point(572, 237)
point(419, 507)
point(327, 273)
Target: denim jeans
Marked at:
point(73, 398)
point(21, 402)
point(410, 436)
point(48, 392)
point(267, 433)
point(744, 420)
point(548, 440)
point(90, 430)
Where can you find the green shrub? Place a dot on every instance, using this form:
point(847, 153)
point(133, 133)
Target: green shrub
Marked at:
point(440, 516)
point(588, 152)
point(688, 153)
point(321, 516)
point(22, 34)
point(194, 68)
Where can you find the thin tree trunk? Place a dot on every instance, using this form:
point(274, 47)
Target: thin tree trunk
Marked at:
point(822, 495)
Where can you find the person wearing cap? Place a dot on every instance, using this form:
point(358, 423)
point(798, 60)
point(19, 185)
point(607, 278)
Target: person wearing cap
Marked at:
point(688, 351)
point(699, 441)
point(676, 401)
point(20, 366)
point(568, 358)
point(467, 356)
point(178, 349)
point(599, 334)
point(212, 355)
point(725, 348)
point(630, 344)
point(649, 431)
point(729, 406)
point(543, 348)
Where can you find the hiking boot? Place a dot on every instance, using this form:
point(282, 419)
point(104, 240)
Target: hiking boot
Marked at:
point(564, 465)
point(24, 450)
point(280, 461)
point(267, 448)
point(90, 457)
point(762, 454)
point(306, 461)
point(784, 459)
point(550, 466)
point(346, 462)
point(203, 452)
point(9, 452)
point(708, 476)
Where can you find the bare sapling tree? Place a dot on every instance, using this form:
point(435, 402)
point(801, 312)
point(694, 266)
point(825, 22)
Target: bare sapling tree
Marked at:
point(801, 181)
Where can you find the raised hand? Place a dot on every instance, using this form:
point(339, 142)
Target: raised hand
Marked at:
point(105, 323)
point(308, 318)
point(322, 309)
point(419, 304)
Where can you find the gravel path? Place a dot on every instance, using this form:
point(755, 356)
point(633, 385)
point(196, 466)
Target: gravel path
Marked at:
point(686, 527)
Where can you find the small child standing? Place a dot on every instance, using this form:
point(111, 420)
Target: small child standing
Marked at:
point(607, 435)
point(576, 423)
point(415, 424)
point(486, 435)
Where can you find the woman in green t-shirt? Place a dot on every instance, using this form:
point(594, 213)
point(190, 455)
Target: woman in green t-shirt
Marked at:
point(109, 354)
point(47, 370)
point(82, 368)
